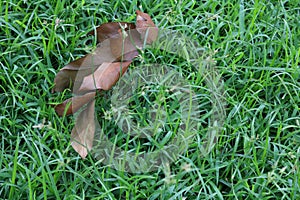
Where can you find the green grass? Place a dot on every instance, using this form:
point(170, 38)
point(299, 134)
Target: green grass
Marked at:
point(256, 47)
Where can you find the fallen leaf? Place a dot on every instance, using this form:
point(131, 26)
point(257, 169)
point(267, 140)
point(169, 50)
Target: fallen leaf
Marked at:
point(104, 77)
point(64, 79)
point(119, 41)
point(126, 44)
point(81, 67)
point(108, 30)
point(113, 50)
point(82, 135)
point(73, 104)
point(118, 44)
point(146, 27)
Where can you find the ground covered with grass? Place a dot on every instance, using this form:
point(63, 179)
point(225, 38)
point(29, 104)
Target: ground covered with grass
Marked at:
point(255, 46)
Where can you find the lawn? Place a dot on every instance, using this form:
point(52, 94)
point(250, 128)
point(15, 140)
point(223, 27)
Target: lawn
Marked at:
point(253, 48)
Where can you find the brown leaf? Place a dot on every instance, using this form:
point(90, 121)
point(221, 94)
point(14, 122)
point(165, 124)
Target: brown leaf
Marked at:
point(110, 51)
point(110, 29)
point(125, 45)
point(119, 42)
point(83, 133)
point(66, 77)
point(104, 77)
point(119, 45)
point(146, 27)
point(74, 103)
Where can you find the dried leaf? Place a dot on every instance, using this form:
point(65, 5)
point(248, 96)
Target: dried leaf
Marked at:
point(125, 45)
point(66, 77)
point(74, 103)
point(104, 77)
point(83, 133)
point(110, 51)
point(146, 27)
point(120, 41)
point(119, 44)
point(110, 29)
